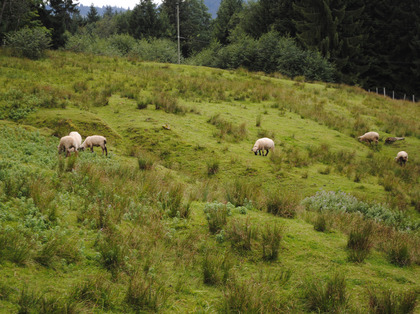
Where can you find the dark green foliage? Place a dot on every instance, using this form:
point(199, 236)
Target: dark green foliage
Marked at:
point(388, 301)
point(30, 42)
point(327, 297)
point(399, 252)
point(320, 223)
point(145, 162)
point(226, 20)
point(359, 242)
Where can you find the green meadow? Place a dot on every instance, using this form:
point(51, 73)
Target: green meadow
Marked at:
point(181, 216)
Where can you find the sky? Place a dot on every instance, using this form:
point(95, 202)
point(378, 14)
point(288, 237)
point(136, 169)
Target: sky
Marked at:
point(113, 3)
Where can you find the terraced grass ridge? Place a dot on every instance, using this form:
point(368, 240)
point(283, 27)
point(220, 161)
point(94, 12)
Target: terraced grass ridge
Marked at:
point(181, 216)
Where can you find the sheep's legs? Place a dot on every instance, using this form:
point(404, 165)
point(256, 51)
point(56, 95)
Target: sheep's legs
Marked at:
point(267, 152)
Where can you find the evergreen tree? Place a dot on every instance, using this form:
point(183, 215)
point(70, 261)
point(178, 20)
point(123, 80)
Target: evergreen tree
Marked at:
point(194, 23)
point(144, 21)
point(93, 15)
point(226, 20)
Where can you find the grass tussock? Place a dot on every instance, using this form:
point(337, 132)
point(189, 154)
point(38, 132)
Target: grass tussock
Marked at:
point(327, 297)
point(271, 236)
point(227, 130)
point(388, 301)
point(283, 203)
point(359, 242)
point(216, 267)
point(216, 215)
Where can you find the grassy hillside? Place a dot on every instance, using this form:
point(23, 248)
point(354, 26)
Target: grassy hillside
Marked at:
point(182, 216)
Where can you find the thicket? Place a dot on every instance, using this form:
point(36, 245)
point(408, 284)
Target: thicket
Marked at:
point(29, 42)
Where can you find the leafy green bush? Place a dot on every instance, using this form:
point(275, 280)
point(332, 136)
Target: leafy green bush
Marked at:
point(341, 202)
point(159, 50)
point(29, 42)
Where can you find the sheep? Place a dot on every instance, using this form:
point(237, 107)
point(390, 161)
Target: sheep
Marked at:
point(95, 140)
point(390, 140)
point(369, 137)
point(401, 158)
point(78, 138)
point(67, 144)
point(263, 144)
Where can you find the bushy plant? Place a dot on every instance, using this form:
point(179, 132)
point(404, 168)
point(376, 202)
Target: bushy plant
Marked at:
point(399, 252)
point(145, 162)
point(159, 50)
point(29, 42)
point(168, 103)
point(340, 202)
point(320, 223)
point(327, 297)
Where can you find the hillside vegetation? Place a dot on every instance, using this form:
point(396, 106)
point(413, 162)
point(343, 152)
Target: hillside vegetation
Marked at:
point(181, 216)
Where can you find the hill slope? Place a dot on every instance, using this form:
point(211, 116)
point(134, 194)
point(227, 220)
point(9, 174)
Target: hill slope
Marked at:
point(131, 232)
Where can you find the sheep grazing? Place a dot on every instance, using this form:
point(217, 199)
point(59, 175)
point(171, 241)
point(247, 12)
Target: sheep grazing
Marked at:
point(390, 140)
point(67, 144)
point(78, 139)
point(95, 140)
point(369, 137)
point(263, 144)
point(401, 158)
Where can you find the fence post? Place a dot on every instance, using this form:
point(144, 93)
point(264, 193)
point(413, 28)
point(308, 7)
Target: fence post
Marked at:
point(413, 99)
point(384, 92)
point(393, 95)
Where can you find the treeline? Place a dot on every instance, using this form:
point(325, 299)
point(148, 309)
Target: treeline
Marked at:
point(374, 44)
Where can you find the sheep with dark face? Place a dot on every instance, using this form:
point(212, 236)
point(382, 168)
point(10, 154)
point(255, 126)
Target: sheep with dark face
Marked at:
point(369, 137)
point(67, 144)
point(401, 158)
point(95, 140)
point(263, 144)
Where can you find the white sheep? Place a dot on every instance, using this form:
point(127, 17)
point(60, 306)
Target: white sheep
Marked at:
point(401, 158)
point(67, 144)
point(263, 144)
point(369, 137)
point(77, 137)
point(95, 140)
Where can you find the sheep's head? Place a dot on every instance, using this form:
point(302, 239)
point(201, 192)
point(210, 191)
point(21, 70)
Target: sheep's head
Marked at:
point(255, 149)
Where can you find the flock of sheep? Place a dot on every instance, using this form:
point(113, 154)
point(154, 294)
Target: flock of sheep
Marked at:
point(73, 143)
point(369, 137)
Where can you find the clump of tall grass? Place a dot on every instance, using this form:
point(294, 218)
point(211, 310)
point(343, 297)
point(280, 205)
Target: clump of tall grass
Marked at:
point(95, 292)
point(168, 103)
point(241, 234)
point(239, 191)
point(216, 215)
point(228, 129)
point(112, 250)
point(399, 251)
point(387, 301)
point(213, 167)
point(144, 293)
point(250, 296)
point(282, 203)
point(216, 267)
point(359, 242)
point(172, 203)
point(320, 222)
point(327, 297)
point(145, 162)
point(271, 236)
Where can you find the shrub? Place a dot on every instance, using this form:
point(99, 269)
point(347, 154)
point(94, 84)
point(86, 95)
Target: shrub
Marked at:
point(359, 242)
point(29, 42)
point(386, 301)
point(328, 297)
point(216, 267)
point(159, 50)
point(282, 203)
point(270, 241)
point(216, 214)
